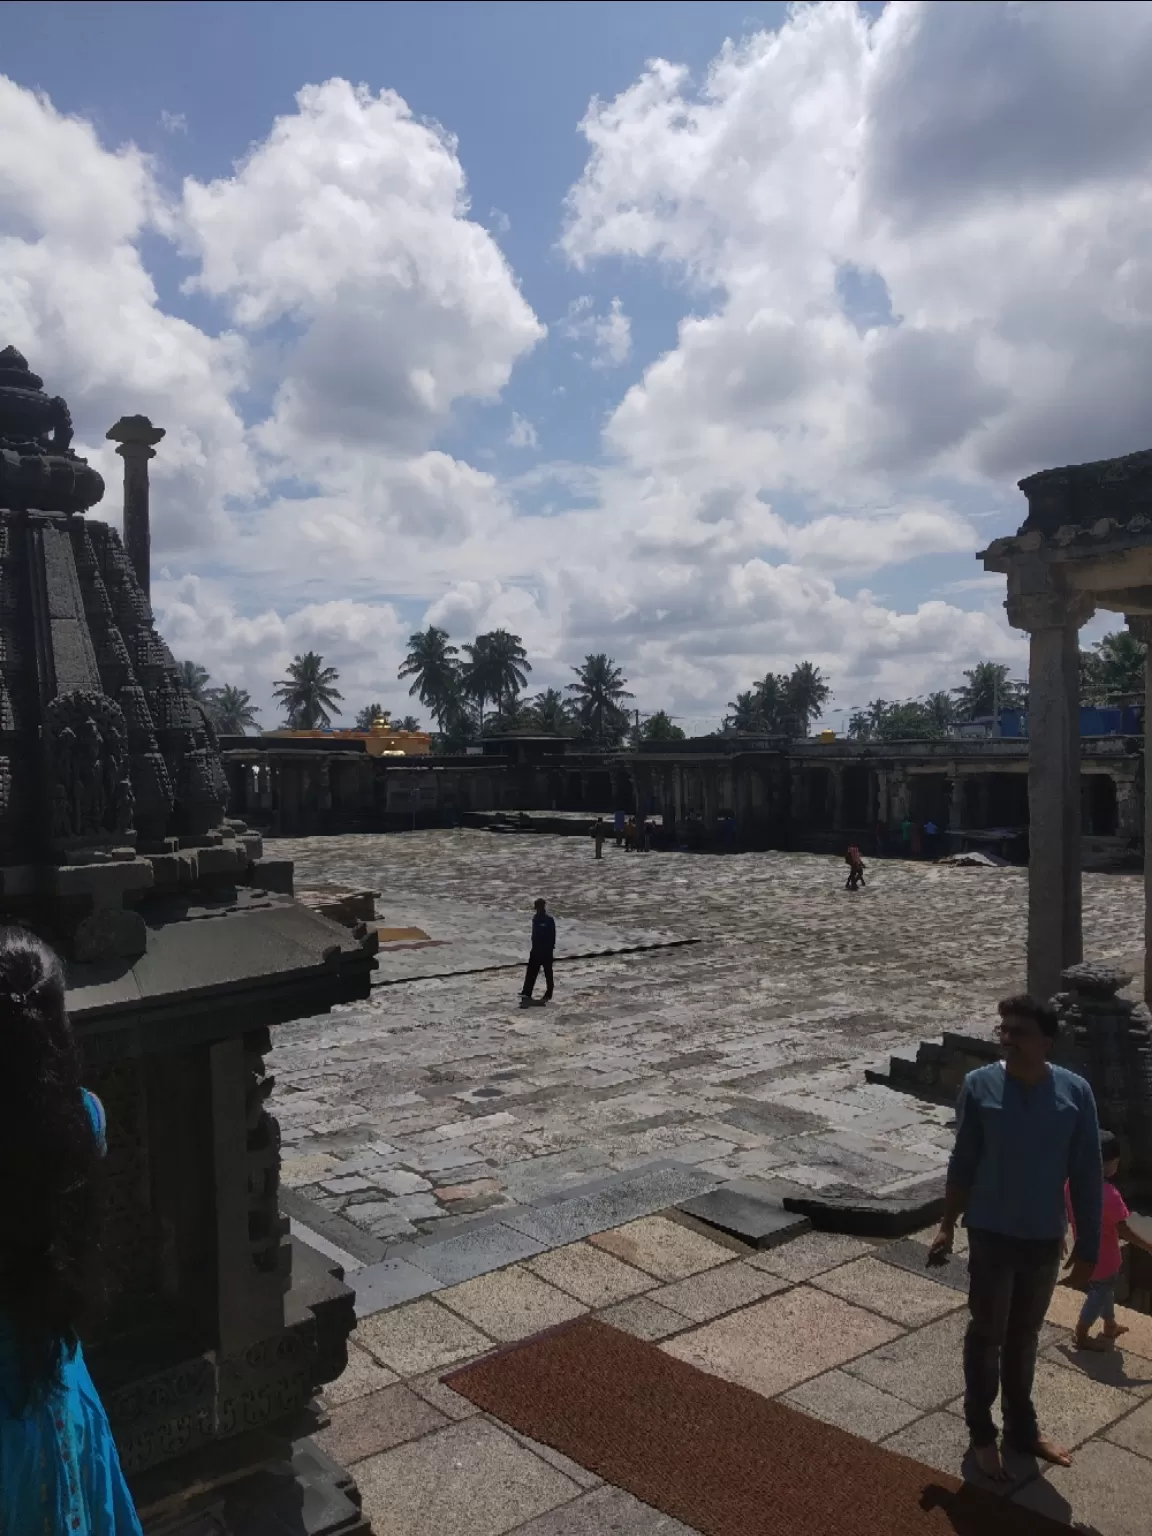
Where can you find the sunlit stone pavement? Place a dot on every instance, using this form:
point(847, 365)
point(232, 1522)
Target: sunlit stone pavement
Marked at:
point(741, 1054)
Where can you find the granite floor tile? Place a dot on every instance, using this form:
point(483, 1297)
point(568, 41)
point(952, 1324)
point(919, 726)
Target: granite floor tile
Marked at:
point(1134, 1433)
point(511, 1304)
point(594, 1277)
point(470, 1479)
point(717, 1291)
point(475, 1252)
point(923, 1368)
point(905, 1298)
point(453, 1405)
point(811, 1254)
point(1107, 1490)
point(663, 1248)
point(644, 1318)
point(1070, 1405)
point(387, 1284)
point(606, 1512)
point(377, 1423)
point(420, 1337)
point(360, 1376)
point(941, 1440)
point(783, 1341)
point(1111, 1368)
point(845, 1400)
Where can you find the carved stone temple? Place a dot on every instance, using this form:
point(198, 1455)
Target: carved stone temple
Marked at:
point(1085, 545)
point(183, 949)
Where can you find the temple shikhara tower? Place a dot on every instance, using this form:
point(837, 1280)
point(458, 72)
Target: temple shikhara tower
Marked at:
point(183, 949)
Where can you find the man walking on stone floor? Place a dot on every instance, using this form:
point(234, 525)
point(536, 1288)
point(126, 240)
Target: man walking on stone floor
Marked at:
point(1024, 1127)
point(540, 957)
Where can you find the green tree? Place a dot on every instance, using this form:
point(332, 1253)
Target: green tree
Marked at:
point(987, 686)
point(940, 708)
point(599, 689)
point(496, 669)
point(660, 727)
point(746, 713)
point(196, 680)
point(232, 710)
point(432, 664)
point(804, 695)
point(551, 713)
point(1113, 669)
point(408, 723)
point(367, 717)
point(309, 692)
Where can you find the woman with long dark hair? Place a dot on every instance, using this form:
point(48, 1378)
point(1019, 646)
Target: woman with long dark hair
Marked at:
point(59, 1471)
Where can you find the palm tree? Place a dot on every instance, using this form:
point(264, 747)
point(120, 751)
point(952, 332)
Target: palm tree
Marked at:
point(309, 692)
point(599, 688)
point(497, 668)
point(987, 688)
point(367, 717)
point(746, 713)
point(195, 680)
point(408, 723)
point(940, 709)
point(805, 694)
point(232, 710)
point(552, 713)
point(433, 665)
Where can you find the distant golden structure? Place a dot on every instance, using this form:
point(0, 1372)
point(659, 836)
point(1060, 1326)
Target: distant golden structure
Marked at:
point(383, 740)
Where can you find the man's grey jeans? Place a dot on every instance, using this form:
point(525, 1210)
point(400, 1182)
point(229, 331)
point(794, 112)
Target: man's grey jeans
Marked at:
point(1011, 1281)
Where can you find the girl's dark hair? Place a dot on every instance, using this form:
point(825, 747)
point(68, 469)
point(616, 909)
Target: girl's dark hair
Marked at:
point(49, 1158)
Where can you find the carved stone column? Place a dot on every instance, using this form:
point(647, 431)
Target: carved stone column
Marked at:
point(1055, 938)
point(136, 434)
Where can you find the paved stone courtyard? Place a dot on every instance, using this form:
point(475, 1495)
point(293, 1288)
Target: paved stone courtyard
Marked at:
point(856, 1333)
point(485, 1172)
point(740, 1054)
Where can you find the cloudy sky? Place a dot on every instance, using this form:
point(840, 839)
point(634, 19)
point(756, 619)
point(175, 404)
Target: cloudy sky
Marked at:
point(715, 336)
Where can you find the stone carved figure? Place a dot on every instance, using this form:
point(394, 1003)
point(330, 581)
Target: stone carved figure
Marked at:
point(87, 749)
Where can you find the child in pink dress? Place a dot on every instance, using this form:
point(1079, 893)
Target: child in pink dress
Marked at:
point(1100, 1302)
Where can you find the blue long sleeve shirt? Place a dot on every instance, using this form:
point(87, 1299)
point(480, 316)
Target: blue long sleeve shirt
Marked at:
point(1016, 1146)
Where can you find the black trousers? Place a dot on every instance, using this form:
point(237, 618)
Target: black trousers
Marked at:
point(539, 960)
point(1011, 1281)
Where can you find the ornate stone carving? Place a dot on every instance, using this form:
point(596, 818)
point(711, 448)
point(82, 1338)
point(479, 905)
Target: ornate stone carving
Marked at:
point(1081, 495)
point(1108, 1039)
point(37, 466)
point(87, 744)
point(267, 1229)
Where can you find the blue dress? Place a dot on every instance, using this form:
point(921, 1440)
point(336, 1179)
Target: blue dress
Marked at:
point(59, 1471)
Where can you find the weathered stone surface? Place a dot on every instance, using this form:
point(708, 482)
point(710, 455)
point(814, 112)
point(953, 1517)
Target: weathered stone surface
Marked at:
point(389, 1283)
point(906, 1254)
point(474, 1253)
point(742, 1210)
point(840, 1210)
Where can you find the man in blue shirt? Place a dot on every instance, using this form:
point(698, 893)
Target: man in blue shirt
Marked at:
point(540, 958)
point(1024, 1128)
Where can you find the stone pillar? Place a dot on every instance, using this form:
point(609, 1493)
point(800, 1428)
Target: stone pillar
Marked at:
point(1142, 627)
point(136, 434)
point(837, 777)
point(798, 800)
point(1055, 939)
point(984, 799)
point(899, 795)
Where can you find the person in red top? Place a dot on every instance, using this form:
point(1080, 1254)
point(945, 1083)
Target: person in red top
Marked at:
point(1100, 1301)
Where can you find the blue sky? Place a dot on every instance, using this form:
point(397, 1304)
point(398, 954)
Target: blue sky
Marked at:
point(832, 356)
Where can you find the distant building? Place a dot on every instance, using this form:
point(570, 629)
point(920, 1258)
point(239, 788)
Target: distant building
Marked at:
point(383, 740)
